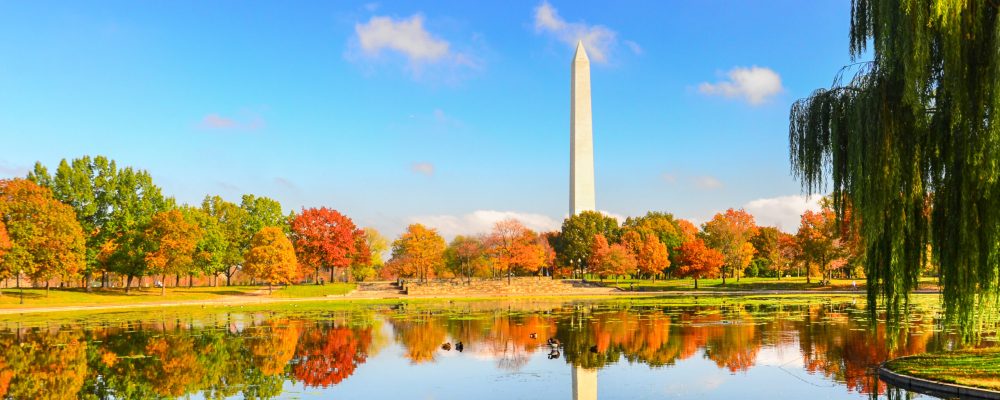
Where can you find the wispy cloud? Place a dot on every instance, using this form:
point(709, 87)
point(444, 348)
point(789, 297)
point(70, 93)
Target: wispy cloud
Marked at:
point(783, 212)
point(218, 122)
point(12, 171)
point(633, 46)
point(423, 168)
point(599, 40)
point(707, 182)
point(409, 38)
point(482, 221)
point(755, 85)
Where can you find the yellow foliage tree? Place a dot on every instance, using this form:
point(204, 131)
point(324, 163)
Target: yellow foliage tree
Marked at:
point(173, 241)
point(271, 258)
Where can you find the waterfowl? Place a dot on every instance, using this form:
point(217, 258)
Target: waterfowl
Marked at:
point(446, 346)
point(459, 347)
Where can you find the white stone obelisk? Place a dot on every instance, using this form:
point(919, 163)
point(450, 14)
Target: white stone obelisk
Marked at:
point(581, 137)
point(584, 383)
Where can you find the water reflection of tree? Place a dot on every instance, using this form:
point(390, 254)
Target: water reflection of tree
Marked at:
point(327, 354)
point(42, 365)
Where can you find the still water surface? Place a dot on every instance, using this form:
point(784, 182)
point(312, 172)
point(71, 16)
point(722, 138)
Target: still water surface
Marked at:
point(622, 349)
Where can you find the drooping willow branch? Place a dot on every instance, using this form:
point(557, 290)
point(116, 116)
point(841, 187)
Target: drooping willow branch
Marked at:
point(912, 145)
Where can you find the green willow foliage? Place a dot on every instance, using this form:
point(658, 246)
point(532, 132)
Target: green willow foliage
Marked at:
point(911, 143)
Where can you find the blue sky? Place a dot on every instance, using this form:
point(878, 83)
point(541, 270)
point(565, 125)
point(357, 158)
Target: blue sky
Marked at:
point(452, 113)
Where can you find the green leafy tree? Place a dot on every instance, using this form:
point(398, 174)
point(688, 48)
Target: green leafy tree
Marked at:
point(134, 202)
point(577, 236)
point(911, 142)
point(87, 185)
point(231, 221)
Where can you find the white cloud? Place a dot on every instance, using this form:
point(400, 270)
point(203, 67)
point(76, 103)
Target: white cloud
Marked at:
point(754, 84)
point(599, 40)
point(482, 221)
point(406, 36)
point(784, 212)
point(423, 168)
point(409, 38)
point(707, 182)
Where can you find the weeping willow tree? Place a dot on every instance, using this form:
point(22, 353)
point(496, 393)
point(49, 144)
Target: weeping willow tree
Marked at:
point(910, 143)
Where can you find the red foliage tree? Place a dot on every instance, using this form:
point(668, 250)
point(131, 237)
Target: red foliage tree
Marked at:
point(325, 238)
point(698, 260)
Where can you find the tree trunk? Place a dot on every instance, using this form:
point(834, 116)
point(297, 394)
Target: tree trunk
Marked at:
point(177, 281)
point(723, 277)
point(268, 287)
point(807, 273)
point(128, 283)
point(228, 276)
point(19, 279)
point(695, 283)
point(163, 285)
point(46, 288)
point(190, 281)
point(86, 281)
point(331, 274)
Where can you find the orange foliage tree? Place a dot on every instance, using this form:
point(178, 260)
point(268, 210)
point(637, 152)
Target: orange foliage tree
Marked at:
point(698, 260)
point(730, 233)
point(173, 241)
point(650, 254)
point(45, 239)
point(418, 253)
point(325, 238)
point(516, 246)
point(271, 258)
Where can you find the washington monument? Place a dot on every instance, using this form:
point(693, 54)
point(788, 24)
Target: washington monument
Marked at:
point(581, 137)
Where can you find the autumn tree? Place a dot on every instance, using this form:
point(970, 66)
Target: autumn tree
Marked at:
point(418, 253)
point(464, 256)
point(651, 255)
point(577, 236)
point(172, 241)
point(818, 241)
point(787, 255)
point(325, 238)
point(697, 260)
point(45, 238)
point(730, 233)
point(516, 247)
point(663, 225)
point(271, 258)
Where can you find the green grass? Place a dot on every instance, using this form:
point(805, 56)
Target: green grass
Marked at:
point(302, 291)
point(744, 284)
point(34, 298)
point(974, 367)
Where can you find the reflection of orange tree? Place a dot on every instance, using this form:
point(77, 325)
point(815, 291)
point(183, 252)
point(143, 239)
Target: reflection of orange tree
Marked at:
point(273, 345)
point(42, 365)
point(326, 355)
point(176, 370)
point(420, 335)
point(737, 345)
point(844, 348)
point(509, 338)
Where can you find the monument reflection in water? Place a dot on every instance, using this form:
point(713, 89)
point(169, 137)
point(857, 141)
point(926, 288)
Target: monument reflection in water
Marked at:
point(636, 350)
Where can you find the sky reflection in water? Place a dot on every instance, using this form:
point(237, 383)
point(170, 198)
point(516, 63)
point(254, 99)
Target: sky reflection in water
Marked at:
point(609, 350)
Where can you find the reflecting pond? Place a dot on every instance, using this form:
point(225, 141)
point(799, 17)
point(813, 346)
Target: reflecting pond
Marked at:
point(762, 348)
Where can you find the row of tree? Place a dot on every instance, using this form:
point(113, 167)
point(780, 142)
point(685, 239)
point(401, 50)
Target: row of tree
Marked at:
point(653, 246)
point(91, 220)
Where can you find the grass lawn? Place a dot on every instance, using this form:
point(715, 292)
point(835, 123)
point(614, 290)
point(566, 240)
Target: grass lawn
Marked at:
point(308, 290)
point(11, 298)
point(976, 367)
point(746, 284)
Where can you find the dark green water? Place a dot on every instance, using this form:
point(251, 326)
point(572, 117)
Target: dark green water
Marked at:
point(641, 349)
